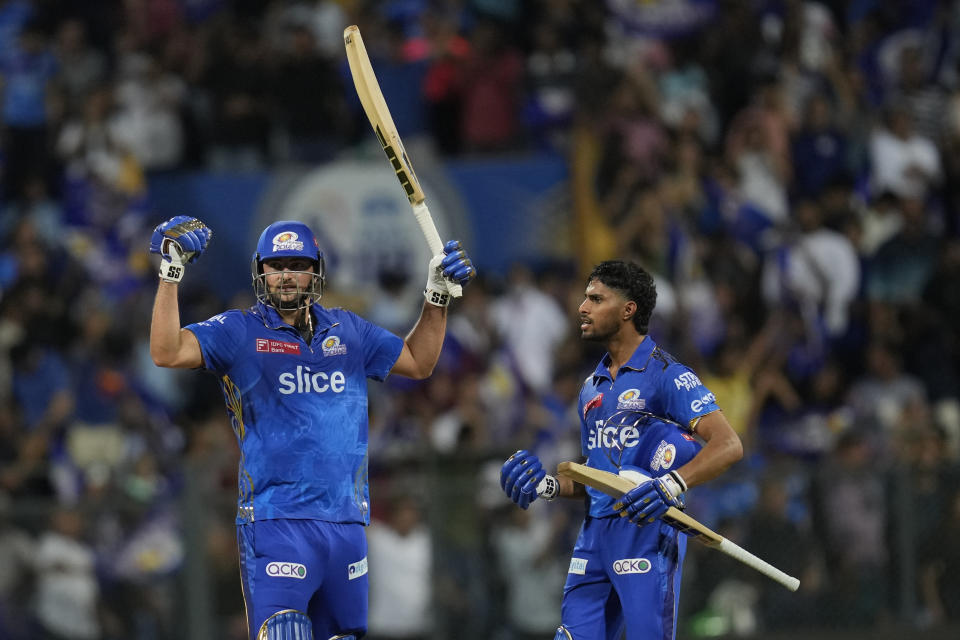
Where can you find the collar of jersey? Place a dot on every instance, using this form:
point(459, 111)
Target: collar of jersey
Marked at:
point(272, 320)
point(638, 361)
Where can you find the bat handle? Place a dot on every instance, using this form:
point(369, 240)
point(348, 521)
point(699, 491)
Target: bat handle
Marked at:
point(425, 220)
point(747, 558)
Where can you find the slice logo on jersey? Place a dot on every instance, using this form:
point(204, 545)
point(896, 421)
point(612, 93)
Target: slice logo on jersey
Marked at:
point(578, 566)
point(286, 570)
point(287, 241)
point(331, 346)
point(631, 565)
point(303, 380)
point(687, 380)
point(698, 405)
point(664, 456)
point(265, 345)
point(630, 399)
point(357, 569)
point(594, 402)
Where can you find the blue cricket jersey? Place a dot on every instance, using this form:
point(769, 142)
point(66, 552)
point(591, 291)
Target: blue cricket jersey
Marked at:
point(299, 410)
point(651, 381)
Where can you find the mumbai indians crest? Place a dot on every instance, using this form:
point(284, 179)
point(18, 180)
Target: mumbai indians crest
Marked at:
point(287, 241)
point(630, 399)
point(332, 347)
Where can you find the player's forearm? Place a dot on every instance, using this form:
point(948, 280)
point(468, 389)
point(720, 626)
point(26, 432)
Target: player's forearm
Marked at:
point(425, 340)
point(721, 450)
point(165, 326)
point(570, 489)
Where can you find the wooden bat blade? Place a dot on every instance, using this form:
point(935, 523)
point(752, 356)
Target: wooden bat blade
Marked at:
point(615, 486)
point(374, 105)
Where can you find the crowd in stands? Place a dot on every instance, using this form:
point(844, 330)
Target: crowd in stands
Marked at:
point(788, 170)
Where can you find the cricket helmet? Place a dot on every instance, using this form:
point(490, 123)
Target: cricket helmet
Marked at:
point(288, 239)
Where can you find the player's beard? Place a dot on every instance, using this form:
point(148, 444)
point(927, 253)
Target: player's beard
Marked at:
point(300, 298)
point(600, 332)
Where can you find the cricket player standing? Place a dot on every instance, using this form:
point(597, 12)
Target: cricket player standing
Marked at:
point(293, 375)
point(644, 415)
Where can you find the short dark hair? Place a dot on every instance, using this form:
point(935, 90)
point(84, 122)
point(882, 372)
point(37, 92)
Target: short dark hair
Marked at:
point(633, 283)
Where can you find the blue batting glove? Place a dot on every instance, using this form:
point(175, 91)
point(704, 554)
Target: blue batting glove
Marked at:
point(520, 476)
point(456, 263)
point(649, 500)
point(185, 233)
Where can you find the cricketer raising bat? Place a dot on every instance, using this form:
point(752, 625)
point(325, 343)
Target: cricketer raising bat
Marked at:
point(615, 486)
point(368, 90)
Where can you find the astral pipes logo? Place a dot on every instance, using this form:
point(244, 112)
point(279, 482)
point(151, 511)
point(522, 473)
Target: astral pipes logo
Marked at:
point(286, 570)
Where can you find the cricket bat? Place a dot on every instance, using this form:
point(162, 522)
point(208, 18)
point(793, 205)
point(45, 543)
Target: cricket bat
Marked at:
point(615, 486)
point(368, 90)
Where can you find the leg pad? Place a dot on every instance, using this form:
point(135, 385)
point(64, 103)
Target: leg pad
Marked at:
point(288, 624)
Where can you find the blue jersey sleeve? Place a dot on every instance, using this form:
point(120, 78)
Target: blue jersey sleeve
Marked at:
point(684, 396)
point(380, 348)
point(220, 338)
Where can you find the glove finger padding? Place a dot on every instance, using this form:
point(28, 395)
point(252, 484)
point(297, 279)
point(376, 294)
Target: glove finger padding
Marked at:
point(519, 477)
point(649, 501)
point(180, 239)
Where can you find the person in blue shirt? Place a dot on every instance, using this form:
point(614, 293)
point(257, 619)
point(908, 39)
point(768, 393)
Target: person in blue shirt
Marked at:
point(648, 417)
point(294, 377)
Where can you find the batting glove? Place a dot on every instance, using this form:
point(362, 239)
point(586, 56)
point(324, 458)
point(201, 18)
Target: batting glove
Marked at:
point(649, 500)
point(523, 479)
point(452, 267)
point(179, 240)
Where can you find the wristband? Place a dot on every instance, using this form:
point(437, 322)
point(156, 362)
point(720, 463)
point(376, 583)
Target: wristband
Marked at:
point(170, 272)
point(549, 488)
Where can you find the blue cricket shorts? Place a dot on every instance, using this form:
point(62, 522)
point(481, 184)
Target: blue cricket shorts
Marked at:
point(313, 566)
point(623, 575)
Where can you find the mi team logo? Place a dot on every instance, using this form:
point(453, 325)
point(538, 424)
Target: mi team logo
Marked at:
point(287, 241)
point(664, 456)
point(286, 570)
point(630, 399)
point(332, 347)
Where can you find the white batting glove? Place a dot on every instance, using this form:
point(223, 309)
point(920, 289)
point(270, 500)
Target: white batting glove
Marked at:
point(172, 264)
point(437, 291)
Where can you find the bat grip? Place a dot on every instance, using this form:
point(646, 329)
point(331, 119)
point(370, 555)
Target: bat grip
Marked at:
point(425, 220)
point(735, 551)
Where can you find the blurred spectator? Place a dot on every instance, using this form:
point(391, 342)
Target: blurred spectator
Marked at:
point(902, 266)
point(881, 394)
point(532, 566)
point(777, 535)
point(68, 596)
point(82, 67)
point(443, 82)
point(237, 76)
point(819, 148)
point(401, 591)
point(902, 160)
point(921, 96)
point(17, 550)
point(308, 99)
point(31, 108)
point(491, 94)
point(758, 149)
point(531, 324)
point(850, 505)
point(817, 270)
point(147, 121)
point(550, 67)
point(940, 567)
